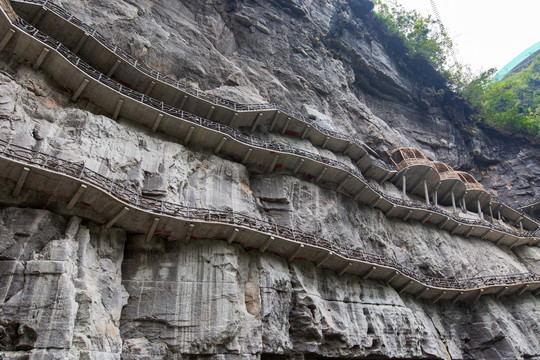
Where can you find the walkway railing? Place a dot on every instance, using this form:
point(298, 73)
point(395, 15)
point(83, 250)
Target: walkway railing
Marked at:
point(250, 140)
point(80, 173)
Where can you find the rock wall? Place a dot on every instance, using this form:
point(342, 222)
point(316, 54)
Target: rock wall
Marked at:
point(72, 289)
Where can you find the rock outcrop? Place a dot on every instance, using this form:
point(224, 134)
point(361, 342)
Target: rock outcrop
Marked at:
point(71, 288)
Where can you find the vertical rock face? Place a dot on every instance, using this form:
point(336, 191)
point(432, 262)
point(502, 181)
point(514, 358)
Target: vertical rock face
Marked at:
point(72, 289)
point(61, 292)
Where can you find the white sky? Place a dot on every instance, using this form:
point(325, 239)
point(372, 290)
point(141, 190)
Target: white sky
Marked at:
point(486, 33)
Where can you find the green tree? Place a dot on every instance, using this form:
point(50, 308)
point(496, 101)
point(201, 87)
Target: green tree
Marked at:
point(422, 35)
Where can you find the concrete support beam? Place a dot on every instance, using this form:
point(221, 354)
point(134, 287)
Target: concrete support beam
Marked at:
point(405, 287)
point(296, 252)
point(521, 226)
point(486, 234)
point(153, 227)
point(469, 232)
point(220, 145)
point(246, 156)
point(273, 163)
point(266, 244)
point(76, 196)
point(321, 175)
point(325, 142)
point(81, 42)
point(233, 236)
point(189, 135)
point(210, 112)
point(479, 207)
point(348, 148)
point(439, 296)
point(342, 183)
point(234, 120)
point(501, 292)
point(324, 259)
point(149, 87)
point(389, 212)
point(404, 186)
point(501, 239)
point(421, 292)
point(464, 205)
point(408, 215)
point(183, 102)
point(189, 232)
point(443, 224)
point(20, 182)
point(298, 166)
point(6, 38)
point(113, 68)
point(454, 202)
point(523, 289)
point(490, 214)
point(369, 273)
point(157, 122)
point(256, 122)
point(374, 203)
point(514, 244)
point(456, 298)
point(361, 192)
point(38, 16)
point(426, 192)
point(391, 277)
point(426, 217)
point(284, 130)
point(117, 217)
point(40, 58)
point(455, 229)
point(80, 89)
point(479, 294)
point(536, 293)
point(305, 132)
point(345, 268)
point(435, 198)
point(274, 121)
point(118, 108)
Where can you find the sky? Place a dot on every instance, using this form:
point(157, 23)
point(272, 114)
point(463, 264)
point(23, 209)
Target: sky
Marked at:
point(486, 33)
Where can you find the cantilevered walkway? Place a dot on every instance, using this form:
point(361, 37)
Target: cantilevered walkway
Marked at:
point(99, 53)
point(26, 42)
point(32, 178)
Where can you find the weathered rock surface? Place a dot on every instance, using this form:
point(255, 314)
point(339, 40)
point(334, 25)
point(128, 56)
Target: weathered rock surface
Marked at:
point(71, 289)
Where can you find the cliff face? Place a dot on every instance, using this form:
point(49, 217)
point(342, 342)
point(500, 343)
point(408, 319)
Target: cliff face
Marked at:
point(72, 288)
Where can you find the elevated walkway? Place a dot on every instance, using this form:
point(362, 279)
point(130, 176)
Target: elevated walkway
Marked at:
point(69, 70)
point(37, 179)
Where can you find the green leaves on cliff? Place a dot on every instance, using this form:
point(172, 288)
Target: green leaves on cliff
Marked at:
point(512, 103)
point(422, 35)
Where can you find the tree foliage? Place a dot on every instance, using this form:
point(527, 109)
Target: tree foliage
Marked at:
point(512, 103)
point(422, 35)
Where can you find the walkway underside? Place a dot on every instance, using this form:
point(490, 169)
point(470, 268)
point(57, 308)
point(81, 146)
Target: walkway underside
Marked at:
point(35, 179)
point(170, 96)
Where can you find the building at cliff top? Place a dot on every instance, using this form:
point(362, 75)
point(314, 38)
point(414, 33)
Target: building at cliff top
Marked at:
point(520, 62)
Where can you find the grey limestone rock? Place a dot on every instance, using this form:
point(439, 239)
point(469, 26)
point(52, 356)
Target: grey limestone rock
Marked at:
point(71, 289)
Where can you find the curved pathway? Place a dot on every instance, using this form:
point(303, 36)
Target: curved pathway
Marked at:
point(34, 179)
